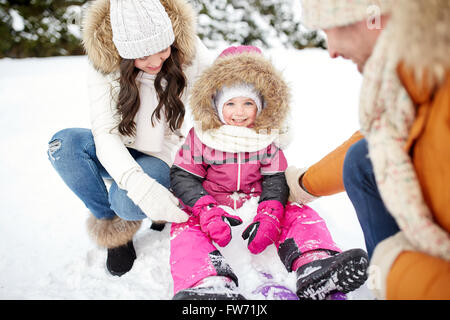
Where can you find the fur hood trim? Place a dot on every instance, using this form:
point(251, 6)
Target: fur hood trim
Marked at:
point(422, 37)
point(97, 33)
point(247, 67)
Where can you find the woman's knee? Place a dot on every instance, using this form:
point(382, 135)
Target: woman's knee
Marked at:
point(64, 142)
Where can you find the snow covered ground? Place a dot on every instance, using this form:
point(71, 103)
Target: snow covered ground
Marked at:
point(44, 249)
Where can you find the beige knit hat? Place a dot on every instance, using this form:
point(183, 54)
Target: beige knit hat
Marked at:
point(326, 14)
point(140, 27)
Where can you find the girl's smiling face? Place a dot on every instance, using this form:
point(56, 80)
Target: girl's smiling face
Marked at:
point(240, 111)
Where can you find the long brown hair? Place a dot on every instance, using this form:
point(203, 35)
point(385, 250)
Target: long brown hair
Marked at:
point(169, 95)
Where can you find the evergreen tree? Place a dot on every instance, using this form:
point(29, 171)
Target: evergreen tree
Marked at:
point(40, 28)
point(265, 23)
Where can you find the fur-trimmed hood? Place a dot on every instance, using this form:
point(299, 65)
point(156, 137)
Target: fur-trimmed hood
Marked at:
point(97, 33)
point(248, 67)
point(422, 36)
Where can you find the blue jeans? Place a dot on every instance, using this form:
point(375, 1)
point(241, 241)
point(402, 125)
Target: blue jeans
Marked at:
point(359, 180)
point(72, 154)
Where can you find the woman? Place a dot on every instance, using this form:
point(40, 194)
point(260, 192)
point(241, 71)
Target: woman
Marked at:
point(143, 58)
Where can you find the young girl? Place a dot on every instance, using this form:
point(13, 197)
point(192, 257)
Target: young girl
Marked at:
point(143, 58)
point(233, 153)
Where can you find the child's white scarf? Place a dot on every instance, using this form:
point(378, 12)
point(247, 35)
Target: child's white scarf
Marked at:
point(240, 139)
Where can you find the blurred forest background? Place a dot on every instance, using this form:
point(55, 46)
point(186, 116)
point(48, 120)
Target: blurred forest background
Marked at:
point(43, 28)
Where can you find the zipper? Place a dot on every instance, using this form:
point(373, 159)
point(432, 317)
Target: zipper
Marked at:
point(238, 178)
point(239, 172)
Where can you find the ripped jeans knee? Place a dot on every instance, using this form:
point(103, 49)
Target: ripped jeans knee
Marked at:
point(72, 154)
point(70, 139)
point(53, 147)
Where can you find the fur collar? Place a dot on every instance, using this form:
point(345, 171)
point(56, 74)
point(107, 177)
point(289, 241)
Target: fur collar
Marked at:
point(421, 30)
point(97, 33)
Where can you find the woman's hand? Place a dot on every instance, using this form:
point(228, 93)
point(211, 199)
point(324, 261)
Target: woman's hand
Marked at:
point(157, 203)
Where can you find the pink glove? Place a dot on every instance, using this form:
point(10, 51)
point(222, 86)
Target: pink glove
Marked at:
point(265, 228)
point(212, 220)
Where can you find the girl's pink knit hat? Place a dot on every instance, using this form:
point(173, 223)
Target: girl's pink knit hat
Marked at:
point(239, 49)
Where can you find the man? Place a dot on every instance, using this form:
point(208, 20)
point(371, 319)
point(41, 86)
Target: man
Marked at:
point(396, 170)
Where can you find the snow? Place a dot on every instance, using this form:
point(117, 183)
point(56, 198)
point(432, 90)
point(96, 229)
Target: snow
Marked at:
point(18, 22)
point(308, 271)
point(45, 252)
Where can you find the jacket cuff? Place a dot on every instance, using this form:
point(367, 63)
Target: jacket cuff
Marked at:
point(203, 202)
point(297, 193)
point(274, 206)
point(139, 186)
point(384, 256)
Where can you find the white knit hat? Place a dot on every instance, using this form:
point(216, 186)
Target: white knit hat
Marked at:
point(326, 14)
point(238, 90)
point(140, 27)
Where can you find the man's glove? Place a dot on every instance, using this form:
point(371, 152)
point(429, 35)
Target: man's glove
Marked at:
point(296, 192)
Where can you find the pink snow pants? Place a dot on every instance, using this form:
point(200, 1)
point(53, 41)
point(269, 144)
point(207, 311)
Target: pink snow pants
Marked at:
point(194, 257)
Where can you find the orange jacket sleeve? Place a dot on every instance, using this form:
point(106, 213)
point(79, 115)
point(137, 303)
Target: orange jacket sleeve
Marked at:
point(416, 275)
point(326, 176)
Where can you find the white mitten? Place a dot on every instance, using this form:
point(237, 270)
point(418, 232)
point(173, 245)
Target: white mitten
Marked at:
point(154, 200)
point(296, 192)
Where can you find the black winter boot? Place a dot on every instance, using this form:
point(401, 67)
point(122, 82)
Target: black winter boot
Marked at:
point(204, 294)
point(116, 235)
point(343, 272)
point(211, 288)
point(120, 259)
point(158, 226)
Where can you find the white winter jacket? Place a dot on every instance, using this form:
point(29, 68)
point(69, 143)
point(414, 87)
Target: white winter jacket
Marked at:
point(111, 146)
point(154, 200)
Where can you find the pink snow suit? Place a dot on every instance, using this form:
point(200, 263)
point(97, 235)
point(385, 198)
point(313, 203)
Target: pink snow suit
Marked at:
point(231, 178)
point(205, 175)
